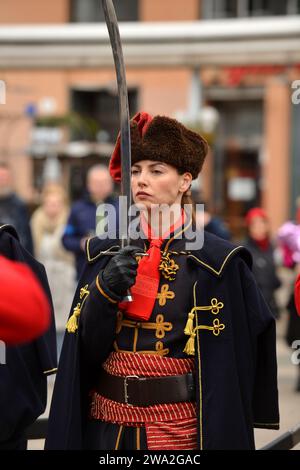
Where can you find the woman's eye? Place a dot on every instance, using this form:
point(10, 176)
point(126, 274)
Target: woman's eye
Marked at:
point(134, 172)
point(156, 172)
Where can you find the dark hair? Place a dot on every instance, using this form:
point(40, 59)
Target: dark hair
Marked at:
point(187, 199)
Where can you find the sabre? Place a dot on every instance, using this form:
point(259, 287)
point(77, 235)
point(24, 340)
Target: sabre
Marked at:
point(115, 41)
point(125, 200)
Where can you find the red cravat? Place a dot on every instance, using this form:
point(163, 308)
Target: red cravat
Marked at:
point(144, 291)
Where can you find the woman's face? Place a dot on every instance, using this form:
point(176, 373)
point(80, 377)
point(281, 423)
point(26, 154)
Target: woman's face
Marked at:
point(156, 183)
point(53, 205)
point(258, 228)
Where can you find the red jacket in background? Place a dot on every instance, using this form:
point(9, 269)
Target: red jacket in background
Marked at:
point(297, 294)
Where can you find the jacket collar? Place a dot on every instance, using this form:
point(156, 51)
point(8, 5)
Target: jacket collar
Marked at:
point(95, 248)
point(216, 253)
point(9, 229)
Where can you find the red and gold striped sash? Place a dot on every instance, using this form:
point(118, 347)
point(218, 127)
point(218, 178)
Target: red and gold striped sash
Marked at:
point(168, 426)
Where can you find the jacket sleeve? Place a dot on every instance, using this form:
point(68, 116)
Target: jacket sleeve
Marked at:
point(71, 237)
point(263, 331)
point(24, 229)
point(98, 322)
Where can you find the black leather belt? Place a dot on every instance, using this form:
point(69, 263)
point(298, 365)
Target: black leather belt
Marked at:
point(146, 391)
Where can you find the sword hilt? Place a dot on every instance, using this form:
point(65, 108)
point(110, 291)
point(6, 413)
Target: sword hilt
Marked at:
point(128, 296)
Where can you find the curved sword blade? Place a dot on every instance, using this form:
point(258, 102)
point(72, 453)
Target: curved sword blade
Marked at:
point(115, 40)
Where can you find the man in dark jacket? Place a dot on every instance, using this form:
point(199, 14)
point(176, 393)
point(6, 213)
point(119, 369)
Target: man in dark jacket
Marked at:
point(82, 219)
point(13, 210)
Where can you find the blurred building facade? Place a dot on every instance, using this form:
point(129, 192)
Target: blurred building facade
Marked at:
point(226, 67)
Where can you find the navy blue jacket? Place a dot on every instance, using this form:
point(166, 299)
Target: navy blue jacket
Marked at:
point(218, 228)
point(236, 370)
point(13, 211)
point(81, 223)
point(23, 377)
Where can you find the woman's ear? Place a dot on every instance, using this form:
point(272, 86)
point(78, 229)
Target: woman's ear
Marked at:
point(186, 182)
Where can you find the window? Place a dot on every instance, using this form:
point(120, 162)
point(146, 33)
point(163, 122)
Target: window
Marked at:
point(86, 11)
point(212, 9)
point(267, 8)
point(99, 112)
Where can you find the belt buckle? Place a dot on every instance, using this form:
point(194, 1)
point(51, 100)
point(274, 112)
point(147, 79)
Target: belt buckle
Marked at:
point(126, 388)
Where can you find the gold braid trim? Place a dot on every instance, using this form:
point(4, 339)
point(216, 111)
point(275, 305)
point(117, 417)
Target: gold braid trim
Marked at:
point(72, 323)
point(168, 267)
point(103, 293)
point(216, 327)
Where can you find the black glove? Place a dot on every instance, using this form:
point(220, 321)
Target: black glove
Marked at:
point(120, 273)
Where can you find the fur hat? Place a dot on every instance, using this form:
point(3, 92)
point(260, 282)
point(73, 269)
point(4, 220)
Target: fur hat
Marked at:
point(162, 139)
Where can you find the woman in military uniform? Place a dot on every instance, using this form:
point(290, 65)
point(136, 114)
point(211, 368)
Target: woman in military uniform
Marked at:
point(190, 363)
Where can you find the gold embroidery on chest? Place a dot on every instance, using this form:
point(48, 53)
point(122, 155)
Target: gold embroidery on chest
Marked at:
point(160, 326)
point(164, 295)
point(216, 327)
point(168, 267)
point(159, 348)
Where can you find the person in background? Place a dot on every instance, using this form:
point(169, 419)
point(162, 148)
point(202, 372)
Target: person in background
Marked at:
point(23, 376)
point(289, 239)
point(297, 305)
point(81, 223)
point(25, 316)
point(212, 223)
point(260, 246)
point(47, 224)
point(13, 210)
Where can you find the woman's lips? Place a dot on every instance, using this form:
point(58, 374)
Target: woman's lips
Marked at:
point(142, 194)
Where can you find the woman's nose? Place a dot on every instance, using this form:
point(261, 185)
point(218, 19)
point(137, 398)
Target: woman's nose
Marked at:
point(142, 179)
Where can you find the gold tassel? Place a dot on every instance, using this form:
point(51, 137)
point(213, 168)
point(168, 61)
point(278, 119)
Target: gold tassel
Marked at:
point(72, 325)
point(190, 345)
point(188, 330)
